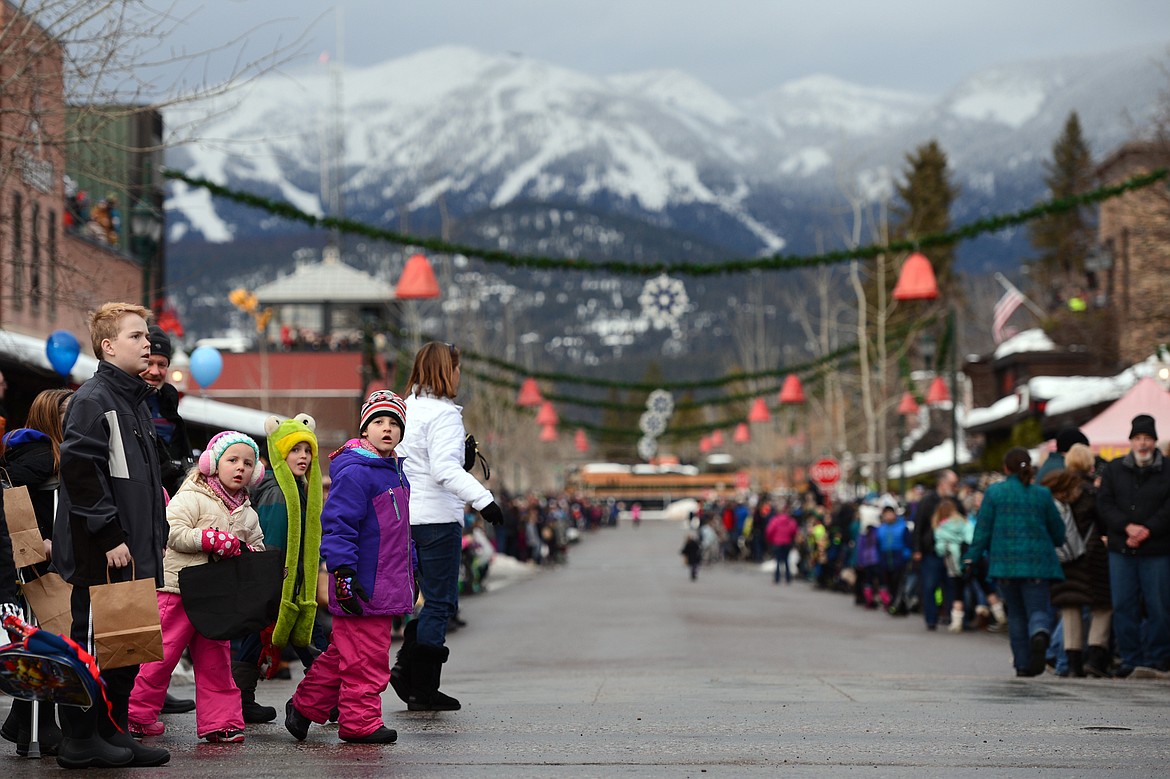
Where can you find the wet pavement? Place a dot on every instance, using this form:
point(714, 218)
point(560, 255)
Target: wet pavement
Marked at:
point(616, 664)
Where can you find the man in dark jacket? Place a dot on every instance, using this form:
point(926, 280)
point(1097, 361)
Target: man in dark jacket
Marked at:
point(1134, 502)
point(932, 569)
point(174, 447)
point(111, 521)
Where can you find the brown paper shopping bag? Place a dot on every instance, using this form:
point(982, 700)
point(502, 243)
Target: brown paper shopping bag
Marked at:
point(49, 598)
point(126, 628)
point(27, 545)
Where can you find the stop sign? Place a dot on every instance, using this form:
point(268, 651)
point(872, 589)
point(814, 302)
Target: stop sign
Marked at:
point(825, 472)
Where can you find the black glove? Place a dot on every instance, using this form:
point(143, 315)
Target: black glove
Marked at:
point(492, 514)
point(348, 589)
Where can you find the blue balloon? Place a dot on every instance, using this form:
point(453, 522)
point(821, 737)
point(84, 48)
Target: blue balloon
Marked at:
point(206, 365)
point(62, 349)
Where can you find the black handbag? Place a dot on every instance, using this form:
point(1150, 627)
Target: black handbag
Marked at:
point(471, 453)
point(233, 598)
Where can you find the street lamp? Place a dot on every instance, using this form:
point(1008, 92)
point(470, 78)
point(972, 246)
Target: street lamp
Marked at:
point(917, 282)
point(146, 228)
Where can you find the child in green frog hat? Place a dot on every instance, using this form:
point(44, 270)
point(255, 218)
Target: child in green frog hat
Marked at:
point(289, 506)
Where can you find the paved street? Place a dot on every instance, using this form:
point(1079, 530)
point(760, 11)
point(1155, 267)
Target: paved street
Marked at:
point(617, 665)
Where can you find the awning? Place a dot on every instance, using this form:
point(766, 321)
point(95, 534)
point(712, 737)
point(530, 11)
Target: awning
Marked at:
point(30, 350)
point(223, 416)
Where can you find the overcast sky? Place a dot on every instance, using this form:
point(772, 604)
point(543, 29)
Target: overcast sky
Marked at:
point(739, 47)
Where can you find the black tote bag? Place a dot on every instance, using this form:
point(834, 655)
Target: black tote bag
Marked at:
point(232, 598)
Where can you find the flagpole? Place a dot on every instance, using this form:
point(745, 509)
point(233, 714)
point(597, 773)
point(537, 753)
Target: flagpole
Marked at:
point(1035, 309)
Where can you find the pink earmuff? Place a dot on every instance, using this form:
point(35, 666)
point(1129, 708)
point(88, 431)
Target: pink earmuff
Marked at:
point(205, 462)
point(205, 468)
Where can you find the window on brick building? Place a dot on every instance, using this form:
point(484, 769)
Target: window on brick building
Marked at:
point(51, 260)
point(17, 251)
point(34, 264)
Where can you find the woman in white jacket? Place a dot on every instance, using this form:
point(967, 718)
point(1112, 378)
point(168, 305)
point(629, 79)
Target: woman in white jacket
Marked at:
point(433, 448)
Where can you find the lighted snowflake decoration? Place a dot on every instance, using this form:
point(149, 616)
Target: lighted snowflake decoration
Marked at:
point(652, 424)
point(660, 402)
point(647, 447)
point(664, 301)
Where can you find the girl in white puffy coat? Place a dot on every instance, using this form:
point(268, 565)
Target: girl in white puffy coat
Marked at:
point(210, 516)
point(433, 457)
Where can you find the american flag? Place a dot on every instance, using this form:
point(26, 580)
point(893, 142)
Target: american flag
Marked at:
point(1004, 309)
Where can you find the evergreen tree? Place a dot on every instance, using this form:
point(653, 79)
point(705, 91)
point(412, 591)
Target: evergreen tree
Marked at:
point(1064, 240)
point(926, 196)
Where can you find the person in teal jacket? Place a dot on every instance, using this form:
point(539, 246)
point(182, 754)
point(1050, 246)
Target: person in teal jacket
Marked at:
point(1019, 528)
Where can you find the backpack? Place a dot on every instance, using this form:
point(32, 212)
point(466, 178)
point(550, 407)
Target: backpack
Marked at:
point(1074, 544)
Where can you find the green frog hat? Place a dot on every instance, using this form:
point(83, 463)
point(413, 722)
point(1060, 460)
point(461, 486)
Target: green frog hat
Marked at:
point(298, 598)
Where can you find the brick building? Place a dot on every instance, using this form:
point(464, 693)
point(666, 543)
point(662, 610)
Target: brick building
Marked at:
point(1135, 228)
point(49, 279)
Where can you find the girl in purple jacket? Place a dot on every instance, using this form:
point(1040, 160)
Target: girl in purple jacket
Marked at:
point(366, 547)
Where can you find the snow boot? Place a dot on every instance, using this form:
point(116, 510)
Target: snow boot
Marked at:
point(246, 676)
point(867, 594)
point(425, 674)
point(1076, 663)
point(400, 674)
point(1000, 617)
point(956, 625)
point(1037, 653)
point(1097, 663)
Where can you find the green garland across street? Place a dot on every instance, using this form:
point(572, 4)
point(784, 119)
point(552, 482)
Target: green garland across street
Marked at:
point(989, 224)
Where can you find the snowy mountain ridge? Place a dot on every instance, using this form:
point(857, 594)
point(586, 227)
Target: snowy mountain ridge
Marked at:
point(476, 132)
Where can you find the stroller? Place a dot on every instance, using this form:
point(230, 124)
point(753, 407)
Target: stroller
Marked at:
point(40, 666)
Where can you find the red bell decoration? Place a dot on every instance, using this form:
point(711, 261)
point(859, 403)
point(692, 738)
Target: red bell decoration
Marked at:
point(717, 438)
point(418, 280)
point(916, 281)
point(792, 391)
point(759, 412)
point(938, 392)
point(704, 445)
point(547, 414)
point(548, 433)
point(529, 393)
point(741, 435)
point(580, 442)
point(908, 406)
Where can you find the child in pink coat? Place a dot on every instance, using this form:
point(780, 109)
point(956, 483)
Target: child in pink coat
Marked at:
point(209, 517)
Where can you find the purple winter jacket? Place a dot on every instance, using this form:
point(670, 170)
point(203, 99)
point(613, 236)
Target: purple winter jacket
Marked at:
point(365, 525)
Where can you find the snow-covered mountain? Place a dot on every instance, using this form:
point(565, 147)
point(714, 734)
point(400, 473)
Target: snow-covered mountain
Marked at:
point(482, 132)
point(509, 152)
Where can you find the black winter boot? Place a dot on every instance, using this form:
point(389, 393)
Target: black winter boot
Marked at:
point(246, 676)
point(1037, 653)
point(426, 673)
point(1097, 663)
point(1076, 663)
point(400, 674)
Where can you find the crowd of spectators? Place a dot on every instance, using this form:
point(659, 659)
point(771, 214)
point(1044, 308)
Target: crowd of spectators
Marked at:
point(905, 555)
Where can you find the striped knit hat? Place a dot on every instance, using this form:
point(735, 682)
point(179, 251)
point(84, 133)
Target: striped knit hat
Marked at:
point(380, 403)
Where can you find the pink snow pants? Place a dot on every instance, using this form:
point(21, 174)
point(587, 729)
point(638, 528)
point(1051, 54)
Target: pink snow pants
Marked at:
point(217, 699)
point(352, 674)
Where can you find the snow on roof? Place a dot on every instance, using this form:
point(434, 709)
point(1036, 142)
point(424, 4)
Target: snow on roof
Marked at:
point(1000, 409)
point(327, 281)
point(1067, 393)
point(936, 459)
point(1034, 340)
